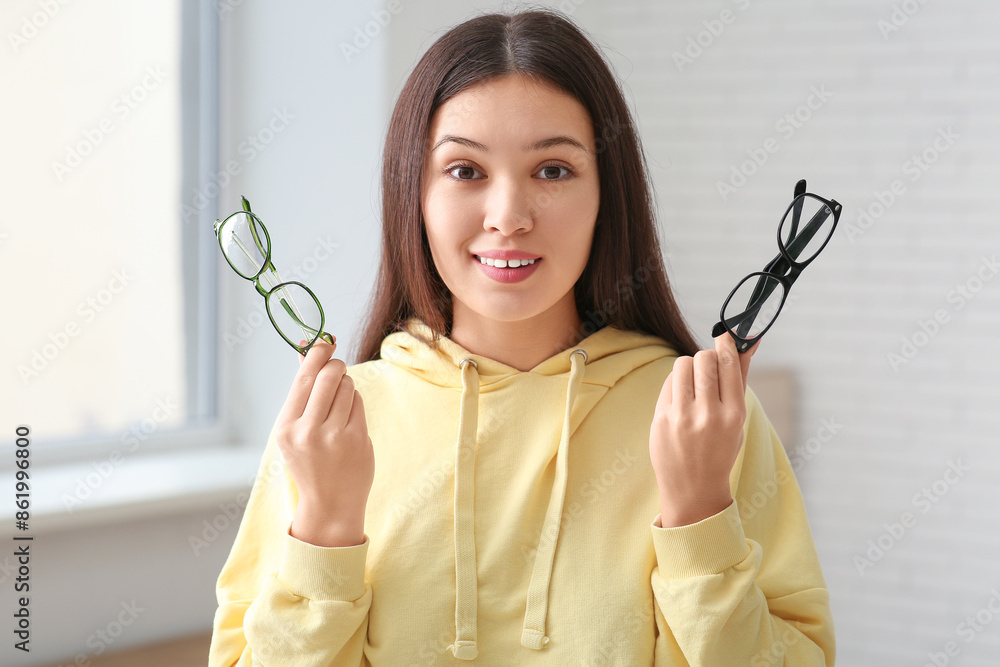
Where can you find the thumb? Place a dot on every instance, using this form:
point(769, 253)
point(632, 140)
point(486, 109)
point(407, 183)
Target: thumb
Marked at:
point(301, 356)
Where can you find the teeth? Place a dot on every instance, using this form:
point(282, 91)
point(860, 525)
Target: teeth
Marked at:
point(506, 263)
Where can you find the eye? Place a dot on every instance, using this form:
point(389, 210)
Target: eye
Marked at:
point(463, 172)
point(550, 172)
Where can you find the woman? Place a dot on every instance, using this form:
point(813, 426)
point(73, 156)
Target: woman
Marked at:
point(562, 478)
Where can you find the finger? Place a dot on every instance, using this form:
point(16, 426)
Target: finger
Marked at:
point(324, 391)
point(302, 385)
point(343, 402)
point(706, 377)
point(732, 379)
point(683, 389)
point(357, 415)
point(666, 396)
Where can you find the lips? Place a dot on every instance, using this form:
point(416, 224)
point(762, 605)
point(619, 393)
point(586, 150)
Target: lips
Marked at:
point(507, 275)
point(507, 262)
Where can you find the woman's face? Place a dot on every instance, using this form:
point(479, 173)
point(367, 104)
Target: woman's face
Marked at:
point(511, 167)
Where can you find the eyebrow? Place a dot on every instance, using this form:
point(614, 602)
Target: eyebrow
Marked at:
point(542, 144)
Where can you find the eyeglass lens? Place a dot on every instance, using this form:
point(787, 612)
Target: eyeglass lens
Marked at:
point(807, 225)
point(244, 243)
point(295, 313)
point(754, 304)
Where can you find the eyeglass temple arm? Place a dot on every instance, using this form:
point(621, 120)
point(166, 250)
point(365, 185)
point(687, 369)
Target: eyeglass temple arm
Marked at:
point(253, 228)
point(269, 268)
point(779, 265)
point(800, 240)
point(800, 189)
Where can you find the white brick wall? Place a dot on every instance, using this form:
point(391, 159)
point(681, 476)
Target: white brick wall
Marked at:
point(891, 95)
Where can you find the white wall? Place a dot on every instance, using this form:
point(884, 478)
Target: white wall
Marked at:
point(902, 422)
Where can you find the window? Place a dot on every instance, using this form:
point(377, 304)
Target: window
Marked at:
point(108, 327)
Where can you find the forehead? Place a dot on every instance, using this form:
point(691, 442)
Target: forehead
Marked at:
point(513, 107)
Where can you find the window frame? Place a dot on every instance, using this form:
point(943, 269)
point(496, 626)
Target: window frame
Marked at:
point(207, 422)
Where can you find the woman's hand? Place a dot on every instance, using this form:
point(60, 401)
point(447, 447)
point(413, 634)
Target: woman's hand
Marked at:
point(697, 432)
point(323, 437)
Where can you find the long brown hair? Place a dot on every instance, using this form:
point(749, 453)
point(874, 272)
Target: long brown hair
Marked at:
point(624, 283)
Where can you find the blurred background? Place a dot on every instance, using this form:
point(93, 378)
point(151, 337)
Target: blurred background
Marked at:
point(148, 376)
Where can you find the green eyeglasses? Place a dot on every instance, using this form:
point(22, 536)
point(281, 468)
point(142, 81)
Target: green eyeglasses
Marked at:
point(292, 307)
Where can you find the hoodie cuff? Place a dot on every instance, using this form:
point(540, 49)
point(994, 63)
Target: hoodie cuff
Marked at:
point(706, 547)
point(323, 573)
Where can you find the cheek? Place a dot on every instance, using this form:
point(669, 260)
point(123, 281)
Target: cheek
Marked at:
point(573, 218)
point(450, 218)
point(446, 223)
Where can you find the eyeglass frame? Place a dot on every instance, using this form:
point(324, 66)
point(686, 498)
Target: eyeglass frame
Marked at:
point(266, 265)
point(782, 268)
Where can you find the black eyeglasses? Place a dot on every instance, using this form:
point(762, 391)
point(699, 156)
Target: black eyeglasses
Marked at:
point(753, 306)
point(292, 307)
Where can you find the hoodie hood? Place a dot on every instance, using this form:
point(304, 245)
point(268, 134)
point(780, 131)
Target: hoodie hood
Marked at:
point(591, 368)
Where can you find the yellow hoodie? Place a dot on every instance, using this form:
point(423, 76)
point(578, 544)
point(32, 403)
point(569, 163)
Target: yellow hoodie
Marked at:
point(514, 520)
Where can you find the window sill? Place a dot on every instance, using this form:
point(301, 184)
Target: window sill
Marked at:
point(78, 495)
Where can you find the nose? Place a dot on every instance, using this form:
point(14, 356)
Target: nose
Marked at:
point(508, 208)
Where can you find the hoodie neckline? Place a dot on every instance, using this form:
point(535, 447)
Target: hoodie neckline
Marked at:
point(597, 358)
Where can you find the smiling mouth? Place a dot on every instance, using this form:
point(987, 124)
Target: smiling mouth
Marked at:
point(506, 263)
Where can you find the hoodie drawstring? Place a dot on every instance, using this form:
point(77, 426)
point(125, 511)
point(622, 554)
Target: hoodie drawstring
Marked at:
point(466, 584)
